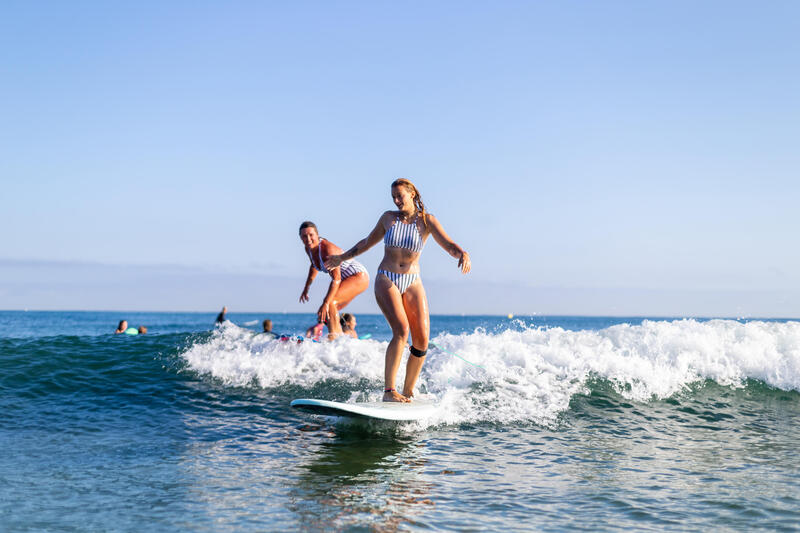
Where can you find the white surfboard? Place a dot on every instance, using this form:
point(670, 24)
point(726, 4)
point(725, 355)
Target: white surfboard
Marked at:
point(415, 410)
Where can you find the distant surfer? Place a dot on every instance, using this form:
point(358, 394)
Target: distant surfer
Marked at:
point(221, 316)
point(348, 322)
point(123, 328)
point(348, 278)
point(267, 329)
point(398, 287)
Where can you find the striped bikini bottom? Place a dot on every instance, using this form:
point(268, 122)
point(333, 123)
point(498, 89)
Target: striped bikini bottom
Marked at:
point(401, 281)
point(351, 268)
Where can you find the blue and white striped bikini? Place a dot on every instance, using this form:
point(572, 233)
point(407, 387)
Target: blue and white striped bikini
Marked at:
point(346, 269)
point(407, 236)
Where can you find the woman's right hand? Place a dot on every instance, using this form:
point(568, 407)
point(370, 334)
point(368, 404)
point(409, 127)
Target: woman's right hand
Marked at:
point(333, 261)
point(304, 296)
point(322, 313)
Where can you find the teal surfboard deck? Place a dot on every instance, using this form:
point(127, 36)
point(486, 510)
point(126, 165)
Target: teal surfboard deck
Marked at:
point(416, 410)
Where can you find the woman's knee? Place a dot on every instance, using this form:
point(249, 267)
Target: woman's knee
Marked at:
point(400, 331)
point(420, 342)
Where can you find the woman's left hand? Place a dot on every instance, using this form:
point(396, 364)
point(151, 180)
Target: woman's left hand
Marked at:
point(464, 263)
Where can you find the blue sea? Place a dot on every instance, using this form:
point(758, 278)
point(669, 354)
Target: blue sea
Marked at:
point(546, 424)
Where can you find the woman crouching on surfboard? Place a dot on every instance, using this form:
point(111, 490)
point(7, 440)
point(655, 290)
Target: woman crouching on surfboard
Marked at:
point(348, 279)
point(398, 287)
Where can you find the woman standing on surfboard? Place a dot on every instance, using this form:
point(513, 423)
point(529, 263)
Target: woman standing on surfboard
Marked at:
point(348, 279)
point(398, 287)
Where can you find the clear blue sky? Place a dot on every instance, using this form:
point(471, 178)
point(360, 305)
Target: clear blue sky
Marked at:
point(613, 146)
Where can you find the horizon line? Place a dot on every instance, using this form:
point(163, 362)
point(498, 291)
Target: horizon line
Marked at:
point(512, 317)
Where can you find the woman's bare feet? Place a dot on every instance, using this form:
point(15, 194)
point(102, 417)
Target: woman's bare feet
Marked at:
point(394, 396)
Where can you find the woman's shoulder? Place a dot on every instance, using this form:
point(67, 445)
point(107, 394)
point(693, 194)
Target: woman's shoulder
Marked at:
point(328, 248)
point(388, 216)
point(427, 218)
point(426, 222)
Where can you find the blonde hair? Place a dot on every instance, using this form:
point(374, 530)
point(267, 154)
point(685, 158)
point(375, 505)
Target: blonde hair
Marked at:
point(402, 182)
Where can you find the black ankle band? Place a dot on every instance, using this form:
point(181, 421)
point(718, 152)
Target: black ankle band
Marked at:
point(418, 353)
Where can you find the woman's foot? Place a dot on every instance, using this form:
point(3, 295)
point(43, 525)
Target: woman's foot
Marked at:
point(391, 395)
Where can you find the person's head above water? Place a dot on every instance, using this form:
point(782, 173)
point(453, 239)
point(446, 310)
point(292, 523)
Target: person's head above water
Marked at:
point(348, 321)
point(123, 325)
point(407, 198)
point(309, 234)
point(142, 330)
point(267, 324)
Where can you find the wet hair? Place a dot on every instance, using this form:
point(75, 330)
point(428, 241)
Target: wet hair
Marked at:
point(267, 324)
point(308, 224)
point(403, 182)
point(120, 323)
point(345, 318)
point(142, 330)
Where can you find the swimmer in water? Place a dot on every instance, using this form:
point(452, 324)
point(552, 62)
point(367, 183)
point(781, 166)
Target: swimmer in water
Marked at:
point(267, 325)
point(398, 286)
point(123, 325)
point(348, 278)
point(315, 332)
point(348, 322)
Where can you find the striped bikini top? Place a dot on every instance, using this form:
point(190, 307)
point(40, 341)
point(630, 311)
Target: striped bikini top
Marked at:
point(404, 235)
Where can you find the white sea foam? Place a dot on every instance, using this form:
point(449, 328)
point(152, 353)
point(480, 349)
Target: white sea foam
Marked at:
point(523, 375)
point(239, 357)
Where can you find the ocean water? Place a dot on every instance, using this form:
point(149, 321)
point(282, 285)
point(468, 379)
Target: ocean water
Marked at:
point(547, 424)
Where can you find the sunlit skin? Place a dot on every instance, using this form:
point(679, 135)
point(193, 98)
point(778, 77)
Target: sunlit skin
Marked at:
point(340, 293)
point(408, 312)
point(123, 325)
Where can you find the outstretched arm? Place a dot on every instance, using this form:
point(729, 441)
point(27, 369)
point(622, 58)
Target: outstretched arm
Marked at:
point(361, 246)
point(312, 273)
point(444, 240)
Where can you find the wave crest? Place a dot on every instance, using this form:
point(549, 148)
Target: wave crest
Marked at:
point(523, 374)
